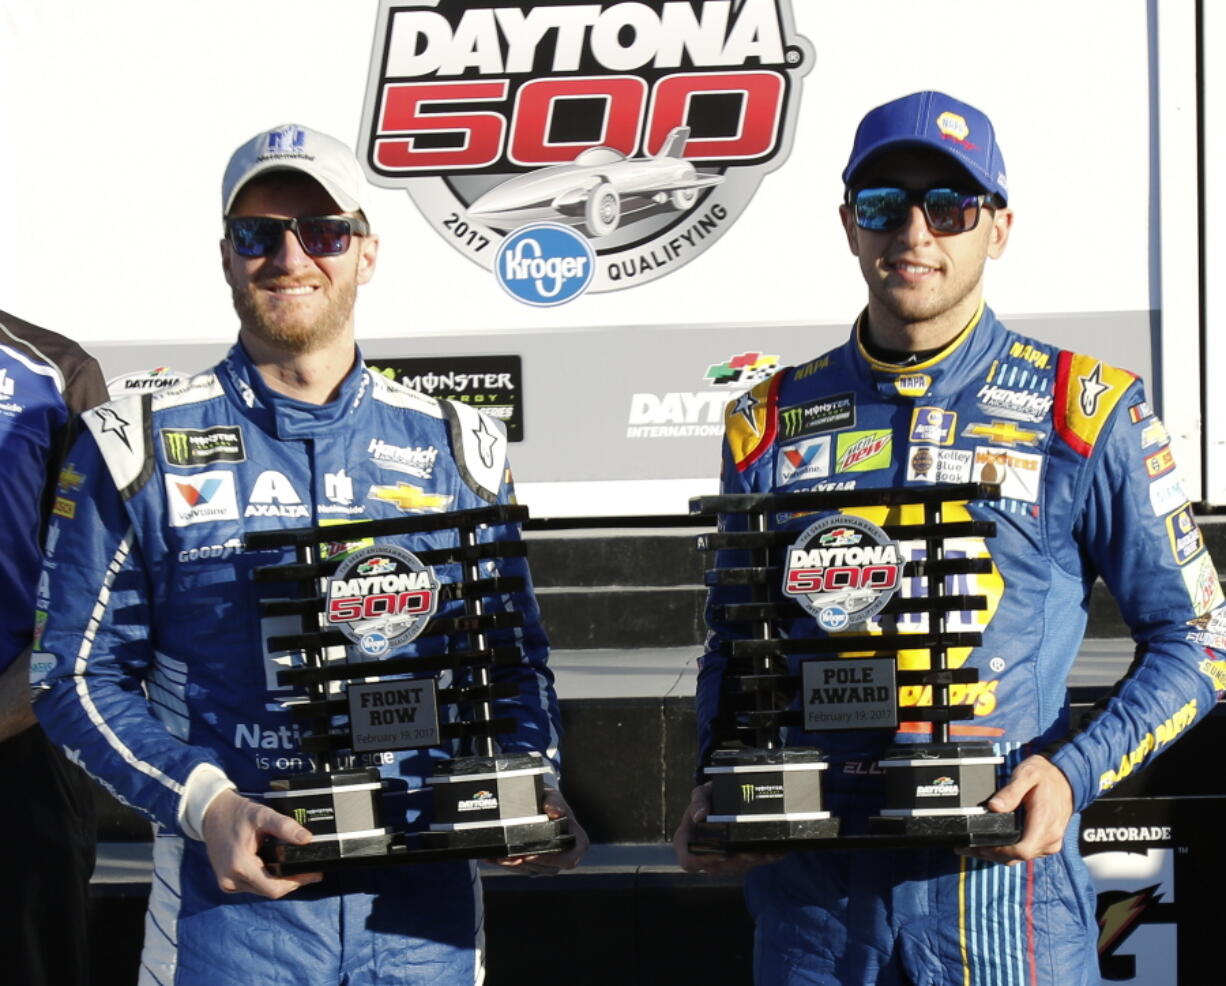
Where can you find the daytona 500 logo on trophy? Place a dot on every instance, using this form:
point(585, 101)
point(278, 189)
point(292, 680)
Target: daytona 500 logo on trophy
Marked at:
point(642, 128)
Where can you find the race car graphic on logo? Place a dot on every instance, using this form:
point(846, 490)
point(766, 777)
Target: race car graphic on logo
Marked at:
point(644, 127)
point(380, 597)
point(842, 570)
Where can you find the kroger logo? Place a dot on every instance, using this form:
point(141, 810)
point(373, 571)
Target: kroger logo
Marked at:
point(545, 264)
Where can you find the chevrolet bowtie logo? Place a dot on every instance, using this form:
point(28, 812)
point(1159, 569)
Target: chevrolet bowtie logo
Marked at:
point(1003, 433)
point(407, 497)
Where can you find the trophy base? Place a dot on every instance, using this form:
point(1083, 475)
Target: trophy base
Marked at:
point(761, 835)
point(983, 829)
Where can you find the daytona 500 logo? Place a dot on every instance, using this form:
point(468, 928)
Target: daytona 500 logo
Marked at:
point(645, 126)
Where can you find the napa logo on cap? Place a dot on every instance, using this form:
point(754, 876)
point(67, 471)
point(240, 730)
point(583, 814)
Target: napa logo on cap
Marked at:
point(953, 125)
point(545, 264)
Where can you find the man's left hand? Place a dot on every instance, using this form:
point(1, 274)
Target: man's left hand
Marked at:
point(548, 864)
point(1040, 788)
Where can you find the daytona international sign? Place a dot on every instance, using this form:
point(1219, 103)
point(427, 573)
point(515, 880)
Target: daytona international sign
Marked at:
point(640, 129)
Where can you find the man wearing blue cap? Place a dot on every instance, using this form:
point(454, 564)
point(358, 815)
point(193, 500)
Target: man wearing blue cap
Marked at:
point(929, 389)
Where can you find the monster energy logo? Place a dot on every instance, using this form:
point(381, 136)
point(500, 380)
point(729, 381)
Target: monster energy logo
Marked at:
point(746, 793)
point(827, 414)
point(199, 447)
point(301, 815)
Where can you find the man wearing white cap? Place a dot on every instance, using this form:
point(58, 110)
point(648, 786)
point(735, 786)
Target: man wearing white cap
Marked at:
point(160, 683)
point(932, 389)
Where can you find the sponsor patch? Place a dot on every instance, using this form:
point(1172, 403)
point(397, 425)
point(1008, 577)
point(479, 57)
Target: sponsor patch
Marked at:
point(804, 461)
point(1185, 536)
point(69, 480)
point(413, 460)
point(1139, 412)
point(827, 414)
point(913, 384)
point(1003, 433)
point(1154, 433)
point(1204, 589)
point(1018, 473)
point(1018, 405)
point(64, 507)
point(273, 495)
point(492, 384)
point(203, 498)
point(187, 447)
point(545, 264)
point(1167, 494)
point(930, 464)
point(409, 498)
point(933, 426)
point(1088, 391)
point(862, 451)
point(1160, 463)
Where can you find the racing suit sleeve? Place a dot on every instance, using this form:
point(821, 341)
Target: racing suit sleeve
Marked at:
point(94, 661)
point(1137, 531)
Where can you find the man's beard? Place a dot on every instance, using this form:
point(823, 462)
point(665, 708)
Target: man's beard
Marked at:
point(285, 330)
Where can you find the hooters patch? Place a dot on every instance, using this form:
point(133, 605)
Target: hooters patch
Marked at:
point(641, 128)
point(1087, 391)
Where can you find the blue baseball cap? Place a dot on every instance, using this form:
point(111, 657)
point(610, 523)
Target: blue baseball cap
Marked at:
point(933, 119)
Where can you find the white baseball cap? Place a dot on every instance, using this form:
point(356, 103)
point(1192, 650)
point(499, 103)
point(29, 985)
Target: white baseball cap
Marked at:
point(291, 147)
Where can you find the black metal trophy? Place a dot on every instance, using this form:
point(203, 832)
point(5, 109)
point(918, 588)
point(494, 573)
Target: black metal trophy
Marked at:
point(357, 610)
point(843, 570)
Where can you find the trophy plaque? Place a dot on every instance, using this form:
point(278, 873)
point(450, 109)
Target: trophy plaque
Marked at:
point(357, 695)
point(843, 570)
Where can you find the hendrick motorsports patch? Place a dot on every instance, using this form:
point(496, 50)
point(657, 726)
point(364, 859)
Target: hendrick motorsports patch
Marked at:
point(843, 570)
point(642, 127)
point(381, 597)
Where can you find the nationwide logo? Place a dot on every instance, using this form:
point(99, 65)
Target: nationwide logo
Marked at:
point(744, 370)
point(644, 126)
point(195, 447)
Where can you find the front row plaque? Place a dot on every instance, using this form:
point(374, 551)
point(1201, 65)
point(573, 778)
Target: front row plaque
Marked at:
point(843, 570)
point(363, 699)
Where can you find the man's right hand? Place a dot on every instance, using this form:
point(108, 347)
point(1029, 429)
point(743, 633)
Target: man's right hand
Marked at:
point(233, 828)
point(713, 864)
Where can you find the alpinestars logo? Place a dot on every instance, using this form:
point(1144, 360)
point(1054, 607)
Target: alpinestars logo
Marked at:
point(644, 126)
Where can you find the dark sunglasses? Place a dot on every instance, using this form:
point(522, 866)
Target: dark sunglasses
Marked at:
point(947, 210)
point(320, 236)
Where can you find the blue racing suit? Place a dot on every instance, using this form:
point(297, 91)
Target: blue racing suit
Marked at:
point(158, 680)
point(1089, 489)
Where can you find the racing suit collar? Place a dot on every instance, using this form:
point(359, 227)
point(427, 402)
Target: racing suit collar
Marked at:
point(945, 374)
point(284, 416)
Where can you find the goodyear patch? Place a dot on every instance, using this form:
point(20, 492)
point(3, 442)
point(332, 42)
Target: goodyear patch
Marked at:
point(1087, 391)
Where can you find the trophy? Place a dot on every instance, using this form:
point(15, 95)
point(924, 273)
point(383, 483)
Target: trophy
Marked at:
point(843, 570)
point(355, 612)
